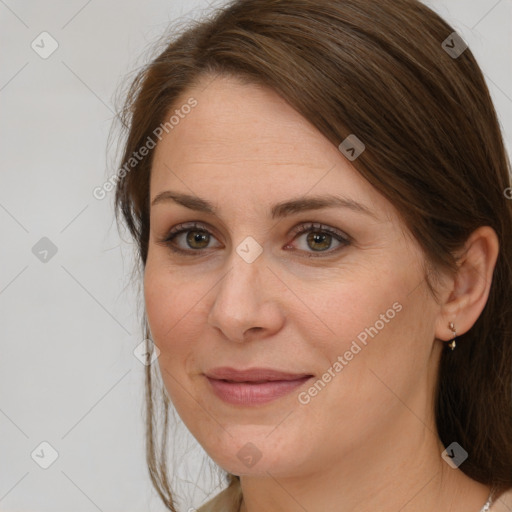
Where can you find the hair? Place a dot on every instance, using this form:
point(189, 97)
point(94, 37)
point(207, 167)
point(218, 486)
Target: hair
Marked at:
point(434, 149)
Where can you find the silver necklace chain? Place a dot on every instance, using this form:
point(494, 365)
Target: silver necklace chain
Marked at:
point(487, 506)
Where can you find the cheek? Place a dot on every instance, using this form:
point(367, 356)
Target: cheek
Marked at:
point(359, 306)
point(168, 298)
point(379, 356)
point(169, 307)
point(371, 330)
point(175, 310)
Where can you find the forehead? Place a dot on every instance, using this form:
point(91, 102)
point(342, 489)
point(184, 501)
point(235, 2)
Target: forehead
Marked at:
point(247, 139)
point(232, 119)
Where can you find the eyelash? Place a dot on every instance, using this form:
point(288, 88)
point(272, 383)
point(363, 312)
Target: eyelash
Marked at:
point(303, 228)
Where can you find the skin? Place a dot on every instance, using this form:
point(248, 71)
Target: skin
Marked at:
point(368, 440)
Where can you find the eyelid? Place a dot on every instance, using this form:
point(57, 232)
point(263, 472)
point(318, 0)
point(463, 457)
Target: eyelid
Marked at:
point(311, 226)
point(183, 228)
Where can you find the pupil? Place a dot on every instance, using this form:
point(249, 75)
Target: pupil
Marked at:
point(197, 237)
point(316, 238)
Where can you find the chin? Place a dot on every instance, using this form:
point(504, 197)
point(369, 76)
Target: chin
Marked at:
point(259, 455)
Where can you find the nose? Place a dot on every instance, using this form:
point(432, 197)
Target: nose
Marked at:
point(246, 303)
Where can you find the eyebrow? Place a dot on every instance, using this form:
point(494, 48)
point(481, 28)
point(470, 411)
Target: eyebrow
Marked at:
point(279, 210)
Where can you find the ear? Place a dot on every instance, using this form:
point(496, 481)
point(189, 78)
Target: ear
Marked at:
point(469, 288)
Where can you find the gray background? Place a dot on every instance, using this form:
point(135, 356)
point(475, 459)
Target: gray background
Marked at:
point(68, 374)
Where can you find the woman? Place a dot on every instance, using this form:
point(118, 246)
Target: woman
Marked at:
point(317, 191)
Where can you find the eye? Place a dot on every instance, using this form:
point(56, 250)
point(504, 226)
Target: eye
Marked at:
point(319, 238)
point(197, 237)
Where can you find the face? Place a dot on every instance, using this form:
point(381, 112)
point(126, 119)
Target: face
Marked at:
point(341, 307)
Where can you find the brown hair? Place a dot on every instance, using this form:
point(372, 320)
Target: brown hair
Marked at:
point(376, 69)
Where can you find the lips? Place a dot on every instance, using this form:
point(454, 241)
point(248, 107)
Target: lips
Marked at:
point(252, 387)
point(253, 375)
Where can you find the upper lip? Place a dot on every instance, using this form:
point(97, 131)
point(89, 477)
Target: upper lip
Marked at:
point(252, 374)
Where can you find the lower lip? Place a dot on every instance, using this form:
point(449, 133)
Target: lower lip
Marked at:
point(245, 393)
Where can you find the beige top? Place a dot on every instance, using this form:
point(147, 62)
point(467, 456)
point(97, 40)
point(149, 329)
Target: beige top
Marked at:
point(503, 503)
point(229, 500)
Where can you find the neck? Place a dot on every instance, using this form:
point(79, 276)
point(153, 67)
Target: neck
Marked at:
point(391, 473)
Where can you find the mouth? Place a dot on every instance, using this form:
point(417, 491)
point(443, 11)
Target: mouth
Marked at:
point(253, 386)
point(253, 375)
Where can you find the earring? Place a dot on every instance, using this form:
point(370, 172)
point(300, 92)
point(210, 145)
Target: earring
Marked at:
point(452, 344)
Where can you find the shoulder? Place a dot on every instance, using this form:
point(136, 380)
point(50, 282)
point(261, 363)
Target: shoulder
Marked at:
point(227, 500)
point(503, 503)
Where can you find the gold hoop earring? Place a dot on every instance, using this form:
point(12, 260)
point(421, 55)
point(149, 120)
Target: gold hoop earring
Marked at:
point(452, 343)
